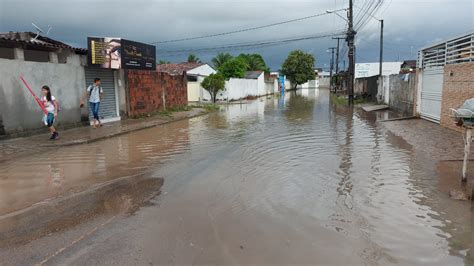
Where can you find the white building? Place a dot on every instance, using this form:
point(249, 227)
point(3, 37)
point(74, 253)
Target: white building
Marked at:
point(364, 70)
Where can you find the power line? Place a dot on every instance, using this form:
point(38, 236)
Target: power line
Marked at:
point(244, 30)
point(250, 44)
point(368, 14)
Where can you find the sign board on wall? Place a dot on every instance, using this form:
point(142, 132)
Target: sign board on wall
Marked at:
point(116, 53)
point(136, 55)
point(104, 52)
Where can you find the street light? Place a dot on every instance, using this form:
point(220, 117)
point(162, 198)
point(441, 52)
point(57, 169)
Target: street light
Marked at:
point(337, 14)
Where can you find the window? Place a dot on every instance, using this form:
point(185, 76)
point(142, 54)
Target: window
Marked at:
point(192, 78)
point(62, 56)
point(7, 53)
point(36, 56)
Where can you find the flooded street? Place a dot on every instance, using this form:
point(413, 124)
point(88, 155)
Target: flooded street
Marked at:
point(295, 180)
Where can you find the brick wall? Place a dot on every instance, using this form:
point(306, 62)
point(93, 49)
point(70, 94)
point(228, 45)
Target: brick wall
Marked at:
point(146, 90)
point(458, 86)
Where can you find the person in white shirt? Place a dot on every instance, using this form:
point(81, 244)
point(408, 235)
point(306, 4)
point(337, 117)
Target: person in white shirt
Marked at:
point(51, 105)
point(95, 94)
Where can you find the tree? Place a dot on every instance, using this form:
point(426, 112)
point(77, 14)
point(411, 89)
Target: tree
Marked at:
point(213, 84)
point(299, 67)
point(220, 59)
point(161, 62)
point(192, 58)
point(234, 68)
point(255, 62)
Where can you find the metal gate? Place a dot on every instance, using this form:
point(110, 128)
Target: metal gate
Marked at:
point(431, 93)
point(108, 105)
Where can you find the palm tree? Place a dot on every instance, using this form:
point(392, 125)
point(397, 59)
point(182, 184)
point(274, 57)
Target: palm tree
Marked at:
point(256, 62)
point(220, 59)
point(193, 59)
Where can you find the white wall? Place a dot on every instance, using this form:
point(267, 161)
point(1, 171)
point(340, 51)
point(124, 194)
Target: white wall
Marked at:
point(323, 82)
point(363, 70)
point(271, 87)
point(236, 89)
point(18, 109)
point(261, 85)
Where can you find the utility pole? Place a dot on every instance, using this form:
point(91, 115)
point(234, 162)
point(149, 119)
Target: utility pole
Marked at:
point(350, 43)
point(337, 53)
point(337, 60)
point(331, 66)
point(381, 55)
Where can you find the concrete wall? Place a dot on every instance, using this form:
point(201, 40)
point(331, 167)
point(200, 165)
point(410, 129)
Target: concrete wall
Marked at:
point(19, 111)
point(310, 84)
point(152, 91)
point(323, 82)
point(270, 87)
point(366, 87)
point(458, 86)
point(236, 89)
point(402, 93)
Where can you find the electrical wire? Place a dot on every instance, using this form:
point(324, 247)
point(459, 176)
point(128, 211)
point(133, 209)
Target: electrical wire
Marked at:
point(244, 30)
point(264, 43)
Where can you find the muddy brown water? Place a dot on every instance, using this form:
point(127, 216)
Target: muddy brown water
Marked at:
point(277, 181)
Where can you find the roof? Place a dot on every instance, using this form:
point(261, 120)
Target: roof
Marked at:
point(409, 63)
point(253, 74)
point(25, 40)
point(177, 69)
point(445, 41)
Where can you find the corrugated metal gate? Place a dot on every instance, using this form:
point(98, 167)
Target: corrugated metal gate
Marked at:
point(108, 105)
point(431, 92)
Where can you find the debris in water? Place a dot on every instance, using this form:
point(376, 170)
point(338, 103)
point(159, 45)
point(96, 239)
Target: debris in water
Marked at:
point(458, 195)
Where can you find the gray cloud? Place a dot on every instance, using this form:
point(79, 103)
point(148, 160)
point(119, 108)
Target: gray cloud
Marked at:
point(409, 24)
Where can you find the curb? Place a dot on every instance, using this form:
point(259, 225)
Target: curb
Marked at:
point(87, 141)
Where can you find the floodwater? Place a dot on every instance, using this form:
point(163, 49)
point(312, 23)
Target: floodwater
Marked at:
point(292, 180)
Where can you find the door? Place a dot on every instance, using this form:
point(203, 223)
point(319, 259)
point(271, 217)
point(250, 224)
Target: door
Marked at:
point(108, 105)
point(431, 92)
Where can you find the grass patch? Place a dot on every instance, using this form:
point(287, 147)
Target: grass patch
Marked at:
point(343, 100)
point(339, 100)
point(209, 107)
point(167, 113)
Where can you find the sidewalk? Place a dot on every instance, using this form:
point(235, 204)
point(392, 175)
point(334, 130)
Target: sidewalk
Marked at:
point(14, 148)
point(442, 147)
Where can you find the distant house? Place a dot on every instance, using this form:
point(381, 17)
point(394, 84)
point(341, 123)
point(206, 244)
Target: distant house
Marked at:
point(408, 66)
point(365, 70)
point(195, 73)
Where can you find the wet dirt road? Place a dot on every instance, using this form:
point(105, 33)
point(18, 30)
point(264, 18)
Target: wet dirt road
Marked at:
point(276, 182)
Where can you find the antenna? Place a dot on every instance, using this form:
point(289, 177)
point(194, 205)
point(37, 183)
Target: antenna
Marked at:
point(39, 30)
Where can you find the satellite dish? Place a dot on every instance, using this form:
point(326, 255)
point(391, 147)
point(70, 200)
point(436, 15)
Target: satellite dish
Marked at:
point(39, 30)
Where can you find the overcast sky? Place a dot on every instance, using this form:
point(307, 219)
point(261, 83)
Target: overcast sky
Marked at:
point(409, 24)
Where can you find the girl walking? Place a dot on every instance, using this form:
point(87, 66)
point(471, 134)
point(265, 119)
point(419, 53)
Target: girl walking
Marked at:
point(51, 105)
